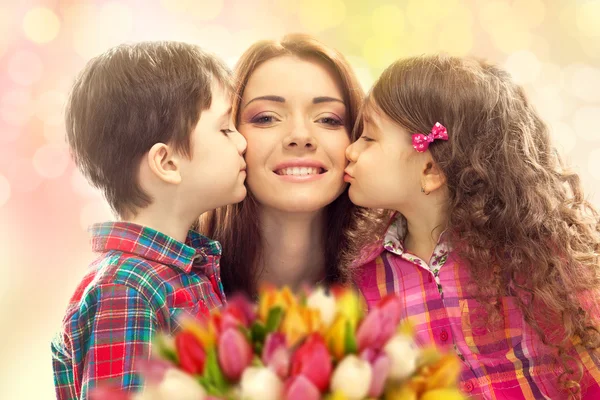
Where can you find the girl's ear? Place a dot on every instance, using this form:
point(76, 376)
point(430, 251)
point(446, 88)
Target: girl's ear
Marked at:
point(432, 177)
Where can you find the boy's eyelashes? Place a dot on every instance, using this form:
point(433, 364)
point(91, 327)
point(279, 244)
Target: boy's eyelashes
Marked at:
point(226, 131)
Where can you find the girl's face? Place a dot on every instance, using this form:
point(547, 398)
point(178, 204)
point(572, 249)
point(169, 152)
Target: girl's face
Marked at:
point(384, 170)
point(293, 117)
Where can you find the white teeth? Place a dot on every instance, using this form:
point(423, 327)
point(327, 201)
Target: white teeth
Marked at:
point(299, 171)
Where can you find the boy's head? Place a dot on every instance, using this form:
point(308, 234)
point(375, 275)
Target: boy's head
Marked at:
point(152, 120)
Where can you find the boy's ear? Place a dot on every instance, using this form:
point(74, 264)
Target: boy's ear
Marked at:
point(432, 177)
point(163, 161)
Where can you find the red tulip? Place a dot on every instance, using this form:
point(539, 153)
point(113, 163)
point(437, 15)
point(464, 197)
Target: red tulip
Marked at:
point(190, 352)
point(235, 353)
point(380, 324)
point(275, 354)
point(238, 311)
point(300, 388)
point(313, 361)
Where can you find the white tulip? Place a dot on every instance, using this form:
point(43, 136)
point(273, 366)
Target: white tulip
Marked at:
point(175, 385)
point(323, 302)
point(260, 383)
point(352, 377)
point(403, 353)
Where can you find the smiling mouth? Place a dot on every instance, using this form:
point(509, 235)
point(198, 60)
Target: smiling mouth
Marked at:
point(300, 171)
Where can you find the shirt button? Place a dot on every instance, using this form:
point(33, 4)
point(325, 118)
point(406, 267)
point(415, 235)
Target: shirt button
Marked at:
point(443, 335)
point(467, 387)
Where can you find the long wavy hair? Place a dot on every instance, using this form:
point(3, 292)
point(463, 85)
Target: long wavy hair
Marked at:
point(512, 202)
point(237, 226)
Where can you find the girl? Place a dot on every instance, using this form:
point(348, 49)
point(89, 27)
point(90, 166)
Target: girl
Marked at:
point(492, 244)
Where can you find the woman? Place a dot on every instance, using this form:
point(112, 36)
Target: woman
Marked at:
point(296, 103)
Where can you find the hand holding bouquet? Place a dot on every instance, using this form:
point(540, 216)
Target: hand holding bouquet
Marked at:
point(319, 345)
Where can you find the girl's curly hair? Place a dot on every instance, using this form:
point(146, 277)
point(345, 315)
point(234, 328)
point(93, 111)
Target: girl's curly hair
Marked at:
point(512, 203)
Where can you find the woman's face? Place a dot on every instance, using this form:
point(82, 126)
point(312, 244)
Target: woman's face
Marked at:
point(293, 117)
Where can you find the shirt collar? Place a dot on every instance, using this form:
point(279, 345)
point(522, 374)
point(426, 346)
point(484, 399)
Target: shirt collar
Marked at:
point(197, 252)
point(393, 239)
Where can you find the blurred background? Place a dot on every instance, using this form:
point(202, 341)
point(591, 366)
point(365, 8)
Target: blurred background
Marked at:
point(551, 47)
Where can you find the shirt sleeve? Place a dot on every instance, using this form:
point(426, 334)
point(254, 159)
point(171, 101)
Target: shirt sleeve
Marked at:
point(120, 324)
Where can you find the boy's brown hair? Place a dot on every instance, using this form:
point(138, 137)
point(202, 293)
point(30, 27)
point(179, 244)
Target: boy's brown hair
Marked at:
point(130, 98)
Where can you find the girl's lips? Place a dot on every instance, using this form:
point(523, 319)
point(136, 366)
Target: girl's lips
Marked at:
point(348, 177)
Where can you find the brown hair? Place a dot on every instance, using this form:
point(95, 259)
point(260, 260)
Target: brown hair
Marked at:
point(512, 204)
point(237, 226)
point(130, 98)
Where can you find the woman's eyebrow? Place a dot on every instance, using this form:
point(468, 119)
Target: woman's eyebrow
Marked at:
point(277, 99)
point(326, 99)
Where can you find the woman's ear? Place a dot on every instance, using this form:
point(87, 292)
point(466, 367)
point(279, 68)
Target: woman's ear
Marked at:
point(164, 163)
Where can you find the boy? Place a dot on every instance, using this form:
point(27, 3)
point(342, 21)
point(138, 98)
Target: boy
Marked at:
point(149, 124)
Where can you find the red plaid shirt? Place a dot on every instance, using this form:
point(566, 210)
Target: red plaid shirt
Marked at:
point(506, 362)
point(141, 283)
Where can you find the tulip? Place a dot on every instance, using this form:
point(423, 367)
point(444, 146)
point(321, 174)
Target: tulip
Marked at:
point(403, 355)
point(380, 364)
point(238, 311)
point(270, 298)
point(300, 388)
point(235, 353)
point(313, 361)
point(325, 303)
point(204, 330)
point(190, 353)
point(109, 393)
point(380, 324)
point(336, 336)
point(353, 377)
point(445, 373)
point(275, 354)
point(442, 394)
point(259, 383)
point(176, 385)
point(349, 304)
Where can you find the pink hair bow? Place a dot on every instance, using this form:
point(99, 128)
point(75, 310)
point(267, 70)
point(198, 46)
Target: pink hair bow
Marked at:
point(421, 142)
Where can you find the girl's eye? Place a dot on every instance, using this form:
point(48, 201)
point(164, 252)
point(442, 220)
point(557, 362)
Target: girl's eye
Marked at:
point(366, 138)
point(263, 119)
point(331, 121)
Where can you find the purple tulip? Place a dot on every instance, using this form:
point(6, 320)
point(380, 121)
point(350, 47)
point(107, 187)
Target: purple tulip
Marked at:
point(380, 324)
point(235, 353)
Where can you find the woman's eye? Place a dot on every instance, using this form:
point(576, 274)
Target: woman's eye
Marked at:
point(331, 121)
point(263, 119)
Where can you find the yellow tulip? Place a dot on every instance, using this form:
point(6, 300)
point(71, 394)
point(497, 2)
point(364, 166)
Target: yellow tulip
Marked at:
point(443, 394)
point(349, 305)
point(335, 338)
point(293, 326)
point(270, 298)
point(445, 373)
point(400, 392)
point(205, 331)
point(337, 395)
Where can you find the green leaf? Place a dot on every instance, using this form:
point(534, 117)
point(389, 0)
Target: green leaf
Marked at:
point(215, 382)
point(163, 350)
point(274, 319)
point(258, 332)
point(350, 345)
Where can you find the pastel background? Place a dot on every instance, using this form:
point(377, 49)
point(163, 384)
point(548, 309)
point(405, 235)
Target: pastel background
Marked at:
point(551, 47)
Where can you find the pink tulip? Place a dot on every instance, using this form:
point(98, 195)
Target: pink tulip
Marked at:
point(380, 324)
point(313, 361)
point(275, 354)
point(300, 388)
point(235, 353)
point(380, 364)
point(108, 393)
point(153, 370)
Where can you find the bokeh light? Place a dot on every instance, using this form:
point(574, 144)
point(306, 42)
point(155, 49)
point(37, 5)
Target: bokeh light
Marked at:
point(41, 25)
point(51, 160)
point(585, 123)
point(15, 107)
point(25, 67)
point(4, 190)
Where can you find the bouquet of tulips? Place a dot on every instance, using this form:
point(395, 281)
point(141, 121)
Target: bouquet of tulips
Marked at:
point(318, 345)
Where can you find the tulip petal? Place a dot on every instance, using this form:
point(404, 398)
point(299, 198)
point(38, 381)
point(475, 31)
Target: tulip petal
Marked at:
point(300, 388)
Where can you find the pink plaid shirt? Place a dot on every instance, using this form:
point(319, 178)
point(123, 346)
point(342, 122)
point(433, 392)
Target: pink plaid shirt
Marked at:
point(505, 363)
